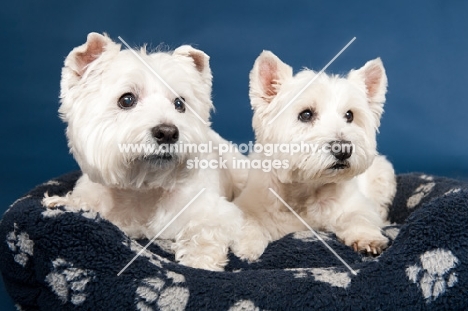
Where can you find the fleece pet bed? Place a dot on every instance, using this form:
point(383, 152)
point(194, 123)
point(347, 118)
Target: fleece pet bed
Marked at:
point(62, 260)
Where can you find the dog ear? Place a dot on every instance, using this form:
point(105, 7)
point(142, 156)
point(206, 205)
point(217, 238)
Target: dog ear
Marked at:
point(200, 60)
point(266, 78)
point(81, 57)
point(374, 78)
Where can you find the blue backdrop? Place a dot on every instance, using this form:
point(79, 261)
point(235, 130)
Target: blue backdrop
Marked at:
point(423, 44)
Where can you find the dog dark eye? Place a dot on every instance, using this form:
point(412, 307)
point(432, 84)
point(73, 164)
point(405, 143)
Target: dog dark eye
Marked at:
point(349, 116)
point(306, 115)
point(127, 101)
point(179, 104)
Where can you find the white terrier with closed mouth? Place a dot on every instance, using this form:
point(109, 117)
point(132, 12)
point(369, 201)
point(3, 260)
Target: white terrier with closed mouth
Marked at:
point(345, 187)
point(110, 98)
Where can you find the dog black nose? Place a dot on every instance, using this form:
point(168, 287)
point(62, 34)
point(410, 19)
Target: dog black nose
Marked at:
point(341, 149)
point(165, 133)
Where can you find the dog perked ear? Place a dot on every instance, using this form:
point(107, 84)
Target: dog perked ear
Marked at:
point(200, 60)
point(266, 78)
point(97, 48)
point(373, 75)
point(374, 78)
point(81, 57)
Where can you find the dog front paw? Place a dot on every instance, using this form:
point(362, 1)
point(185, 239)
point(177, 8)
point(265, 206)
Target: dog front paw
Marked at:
point(55, 200)
point(249, 250)
point(251, 244)
point(366, 240)
point(370, 247)
point(200, 248)
point(70, 203)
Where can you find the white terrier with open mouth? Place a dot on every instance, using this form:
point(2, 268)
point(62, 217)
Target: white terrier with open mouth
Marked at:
point(344, 186)
point(109, 98)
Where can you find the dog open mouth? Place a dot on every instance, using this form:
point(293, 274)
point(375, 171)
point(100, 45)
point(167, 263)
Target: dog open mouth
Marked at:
point(339, 166)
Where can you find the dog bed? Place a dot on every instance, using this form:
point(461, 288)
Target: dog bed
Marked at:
point(55, 259)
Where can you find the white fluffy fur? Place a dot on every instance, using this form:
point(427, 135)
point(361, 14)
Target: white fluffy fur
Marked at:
point(351, 202)
point(137, 194)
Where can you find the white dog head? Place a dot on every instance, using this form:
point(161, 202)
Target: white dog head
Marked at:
point(110, 98)
point(336, 116)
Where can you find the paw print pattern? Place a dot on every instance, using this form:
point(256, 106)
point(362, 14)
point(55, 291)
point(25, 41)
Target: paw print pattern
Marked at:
point(21, 245)
point(244, 305)
point(391, 232)
point(162, 293)
point(434, 273)
point(139, 250)
point(68, 282)
point(51, 183)
point(420, 192)
point(49, 212)
point(453, 190)
point(330, 276)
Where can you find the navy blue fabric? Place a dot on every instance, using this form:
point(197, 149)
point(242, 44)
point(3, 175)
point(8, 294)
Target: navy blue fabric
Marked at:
point(425, 266)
